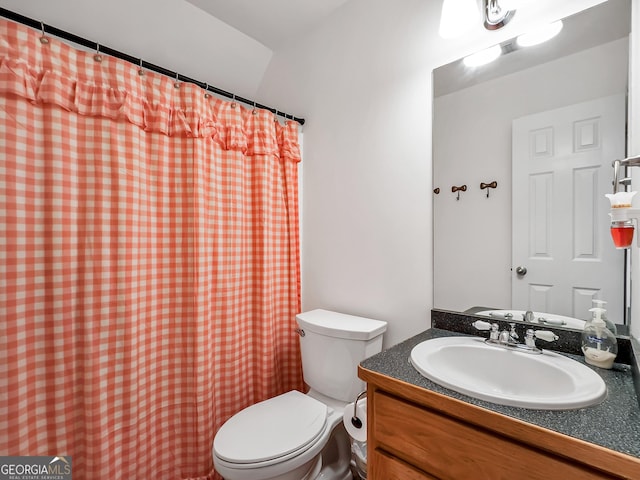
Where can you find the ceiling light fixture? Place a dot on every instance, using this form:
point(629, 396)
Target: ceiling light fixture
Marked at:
point(460, 16)
point(495, 15)
point(540, 35)
point(483, 57)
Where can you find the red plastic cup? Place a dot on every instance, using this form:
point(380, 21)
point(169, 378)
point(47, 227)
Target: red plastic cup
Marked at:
point(622, 233)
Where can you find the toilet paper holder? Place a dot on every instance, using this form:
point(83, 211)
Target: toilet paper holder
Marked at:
point(355, 421)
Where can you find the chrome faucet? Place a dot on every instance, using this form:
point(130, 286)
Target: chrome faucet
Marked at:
point(509, 338)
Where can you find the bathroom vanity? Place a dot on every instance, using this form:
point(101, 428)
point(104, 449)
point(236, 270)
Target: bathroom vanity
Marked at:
point(420, 430)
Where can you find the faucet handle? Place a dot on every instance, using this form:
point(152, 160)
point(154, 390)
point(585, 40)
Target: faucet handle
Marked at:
point(512, 333)
point(495, 332)
point(546, 335)
point(481, 325)
point(495, 329)
point(531, 336)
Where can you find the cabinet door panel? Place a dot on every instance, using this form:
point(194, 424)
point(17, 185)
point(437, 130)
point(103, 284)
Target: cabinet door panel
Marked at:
point(451, 449)
point(386, 467)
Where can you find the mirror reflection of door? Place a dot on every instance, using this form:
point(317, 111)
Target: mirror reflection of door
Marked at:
point(561, 171)
point(473, 118)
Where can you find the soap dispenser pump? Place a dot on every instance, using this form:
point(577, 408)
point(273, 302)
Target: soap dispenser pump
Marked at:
point(603, 315)
point(599, 345)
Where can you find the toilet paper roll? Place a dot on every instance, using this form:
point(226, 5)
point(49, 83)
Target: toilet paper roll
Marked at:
point(359, 434)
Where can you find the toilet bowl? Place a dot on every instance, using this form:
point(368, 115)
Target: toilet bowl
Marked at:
point(281, 438)
point(297, 436)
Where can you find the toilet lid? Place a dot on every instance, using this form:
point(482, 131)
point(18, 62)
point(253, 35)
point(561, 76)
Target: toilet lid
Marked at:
point(271, 429)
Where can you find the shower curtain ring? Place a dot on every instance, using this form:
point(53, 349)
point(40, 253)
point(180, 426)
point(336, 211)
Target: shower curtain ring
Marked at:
point(254, 111)
point(233, 101)
point(97, 57)
point(206, 91)
point(43, 38)
point(176, 84)
point(141, 69)
point(275, 116)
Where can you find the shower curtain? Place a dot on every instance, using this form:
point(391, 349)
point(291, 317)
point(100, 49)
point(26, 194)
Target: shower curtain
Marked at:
point(149, 270)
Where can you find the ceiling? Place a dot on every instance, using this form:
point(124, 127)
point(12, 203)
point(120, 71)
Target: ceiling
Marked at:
point(270, 22)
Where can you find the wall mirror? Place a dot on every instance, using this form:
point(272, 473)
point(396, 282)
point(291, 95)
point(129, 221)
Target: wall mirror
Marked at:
point(537, 129)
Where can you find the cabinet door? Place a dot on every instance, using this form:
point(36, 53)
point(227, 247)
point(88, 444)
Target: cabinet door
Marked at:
point(386, 467)
point(450, 449)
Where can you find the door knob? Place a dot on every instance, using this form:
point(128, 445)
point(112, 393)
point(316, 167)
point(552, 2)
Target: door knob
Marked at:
point(521, 271)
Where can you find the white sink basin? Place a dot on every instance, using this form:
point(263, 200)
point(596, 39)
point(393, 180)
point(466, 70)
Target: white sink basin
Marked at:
point(547, 381)
point(547, 319)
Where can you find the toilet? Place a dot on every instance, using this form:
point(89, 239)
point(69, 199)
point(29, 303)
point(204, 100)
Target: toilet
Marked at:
point(297, 436)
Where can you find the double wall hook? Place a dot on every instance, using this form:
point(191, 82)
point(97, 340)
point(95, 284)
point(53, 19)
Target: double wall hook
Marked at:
point(487, 186)
point(462, 188)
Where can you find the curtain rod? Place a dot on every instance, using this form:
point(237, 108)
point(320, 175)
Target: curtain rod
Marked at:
point(16, 17)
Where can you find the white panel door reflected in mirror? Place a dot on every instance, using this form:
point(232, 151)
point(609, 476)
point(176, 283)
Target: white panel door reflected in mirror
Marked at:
point(474, 110)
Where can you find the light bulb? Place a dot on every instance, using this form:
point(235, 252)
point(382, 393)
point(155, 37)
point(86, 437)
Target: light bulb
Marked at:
point(483, 56)
point(510, 4)
point(540, 35)
point(458, 16)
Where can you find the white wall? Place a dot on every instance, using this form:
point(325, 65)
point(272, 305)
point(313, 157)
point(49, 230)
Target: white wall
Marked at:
point(472, 144)
point(363, 82)
point(173, 34)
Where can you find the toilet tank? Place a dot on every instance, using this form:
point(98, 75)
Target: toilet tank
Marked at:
point(332, 345)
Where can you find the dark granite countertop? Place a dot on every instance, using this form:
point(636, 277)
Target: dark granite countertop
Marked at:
point(613, 424)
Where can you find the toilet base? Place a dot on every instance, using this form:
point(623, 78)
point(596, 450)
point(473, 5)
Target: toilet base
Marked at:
point(336, 456)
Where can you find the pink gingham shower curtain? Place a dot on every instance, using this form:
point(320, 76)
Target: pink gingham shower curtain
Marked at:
point(149, 270)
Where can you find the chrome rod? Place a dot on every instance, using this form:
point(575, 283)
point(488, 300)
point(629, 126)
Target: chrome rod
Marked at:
point(355, 421)
point(617, 164)
point(48, 29)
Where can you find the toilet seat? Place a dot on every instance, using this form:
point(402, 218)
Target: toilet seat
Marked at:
point(271, 432)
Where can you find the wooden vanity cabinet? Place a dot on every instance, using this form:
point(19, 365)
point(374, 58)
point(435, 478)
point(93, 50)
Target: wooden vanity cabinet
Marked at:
point(416, 434)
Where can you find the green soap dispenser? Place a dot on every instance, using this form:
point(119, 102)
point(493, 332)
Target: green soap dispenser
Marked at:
point(599, 345)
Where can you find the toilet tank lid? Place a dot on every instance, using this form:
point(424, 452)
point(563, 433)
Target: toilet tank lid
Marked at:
point(340, 325)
